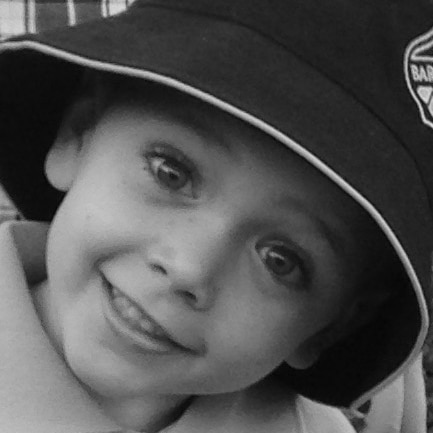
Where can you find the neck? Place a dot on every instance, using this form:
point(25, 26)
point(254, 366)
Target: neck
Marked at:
point(149, 414)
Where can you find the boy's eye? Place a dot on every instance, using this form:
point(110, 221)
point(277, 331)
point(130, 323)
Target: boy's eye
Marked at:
point(171, 173)
point(280, 260)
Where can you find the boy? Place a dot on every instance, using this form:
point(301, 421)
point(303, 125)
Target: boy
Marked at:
point(198, 274)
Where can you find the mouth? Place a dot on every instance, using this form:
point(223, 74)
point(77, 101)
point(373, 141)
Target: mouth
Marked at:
point(128, 320)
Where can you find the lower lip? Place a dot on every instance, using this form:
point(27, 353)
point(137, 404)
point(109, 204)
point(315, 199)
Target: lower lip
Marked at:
point(142, 341)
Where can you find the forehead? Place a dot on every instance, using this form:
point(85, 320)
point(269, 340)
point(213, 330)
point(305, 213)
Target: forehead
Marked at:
point(228, 133)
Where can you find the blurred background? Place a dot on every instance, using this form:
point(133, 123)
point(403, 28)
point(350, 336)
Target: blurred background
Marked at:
point(30, 16)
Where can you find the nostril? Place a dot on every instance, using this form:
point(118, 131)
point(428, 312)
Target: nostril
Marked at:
point(190, 297)
point(158, 268)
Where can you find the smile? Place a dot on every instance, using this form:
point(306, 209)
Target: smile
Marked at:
point(131, 322)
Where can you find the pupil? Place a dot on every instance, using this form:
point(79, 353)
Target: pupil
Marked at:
point(172, 176)
point(280, 264)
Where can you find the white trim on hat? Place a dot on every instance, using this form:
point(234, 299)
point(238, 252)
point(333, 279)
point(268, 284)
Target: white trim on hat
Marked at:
point(287, 141)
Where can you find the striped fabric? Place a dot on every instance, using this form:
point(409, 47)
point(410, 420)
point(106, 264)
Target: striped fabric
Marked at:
point(30, 16)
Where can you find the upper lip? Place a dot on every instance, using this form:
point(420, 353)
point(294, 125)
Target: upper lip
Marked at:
point(162, 333)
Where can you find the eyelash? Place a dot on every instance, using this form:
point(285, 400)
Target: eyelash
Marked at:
point(295, 259)
point(176, 161)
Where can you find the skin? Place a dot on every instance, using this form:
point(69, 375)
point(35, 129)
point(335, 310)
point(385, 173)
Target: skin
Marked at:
point(246, 256)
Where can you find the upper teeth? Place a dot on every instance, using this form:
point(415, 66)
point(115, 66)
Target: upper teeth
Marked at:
point(132, 314)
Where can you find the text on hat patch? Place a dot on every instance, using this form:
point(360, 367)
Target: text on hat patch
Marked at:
point(418, 69)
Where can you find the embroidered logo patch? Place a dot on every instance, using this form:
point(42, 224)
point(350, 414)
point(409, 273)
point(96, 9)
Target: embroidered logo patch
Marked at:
point(418, 69)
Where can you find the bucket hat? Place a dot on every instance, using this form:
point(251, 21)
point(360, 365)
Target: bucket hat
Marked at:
point(347, 85)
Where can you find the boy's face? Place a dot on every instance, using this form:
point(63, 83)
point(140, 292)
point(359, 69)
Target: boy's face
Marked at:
point(192, 254)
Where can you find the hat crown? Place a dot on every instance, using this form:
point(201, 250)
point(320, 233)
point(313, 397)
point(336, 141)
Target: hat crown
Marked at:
point(305, 25)
point(359, 45)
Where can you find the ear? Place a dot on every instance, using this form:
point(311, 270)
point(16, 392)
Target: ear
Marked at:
point(358, 313)
point(62, 160)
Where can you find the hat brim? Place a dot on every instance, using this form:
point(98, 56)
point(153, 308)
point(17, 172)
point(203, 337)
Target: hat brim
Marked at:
point(257, 80)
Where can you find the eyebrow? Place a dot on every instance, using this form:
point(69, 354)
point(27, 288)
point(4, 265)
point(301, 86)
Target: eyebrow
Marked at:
point(332, 237)
point(191, 119)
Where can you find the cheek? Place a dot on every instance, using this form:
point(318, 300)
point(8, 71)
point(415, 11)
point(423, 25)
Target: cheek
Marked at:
point(93, 212)
point(236, 363)
point(260, 332)
point(250, 339)
point(83, 231)
point(95, 223)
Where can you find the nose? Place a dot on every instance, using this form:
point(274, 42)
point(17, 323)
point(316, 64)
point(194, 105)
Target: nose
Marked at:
point(193, 261)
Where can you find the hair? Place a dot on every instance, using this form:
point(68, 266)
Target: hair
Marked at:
point(104, 89)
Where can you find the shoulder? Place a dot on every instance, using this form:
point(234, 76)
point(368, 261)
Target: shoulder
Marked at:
point(319, 418)
point(8, 211)
point(279, 409)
